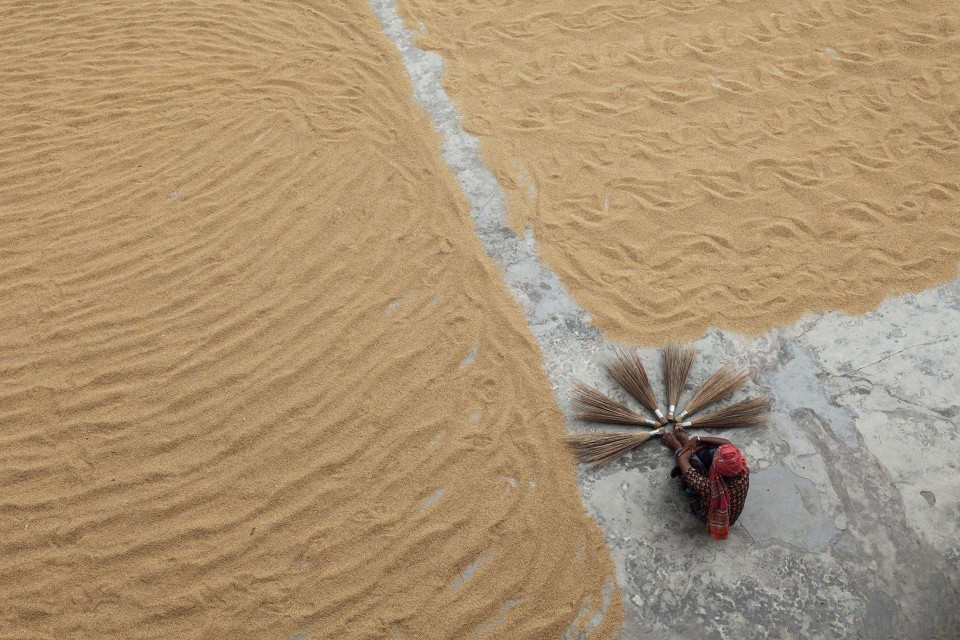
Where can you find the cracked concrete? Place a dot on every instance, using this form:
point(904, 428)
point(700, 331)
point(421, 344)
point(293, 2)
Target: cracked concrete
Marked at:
point(850, 530)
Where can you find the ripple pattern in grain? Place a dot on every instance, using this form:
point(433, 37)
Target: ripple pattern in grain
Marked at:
point(237, 286)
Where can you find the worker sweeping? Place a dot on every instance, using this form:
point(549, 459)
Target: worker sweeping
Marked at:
point(714, 477)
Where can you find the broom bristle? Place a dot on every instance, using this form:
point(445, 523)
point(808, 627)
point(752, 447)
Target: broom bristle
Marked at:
point(677, 362)
point(627, 369)
point(722, 383)
point(594, 406)
point(746, 413)
point(600, 448)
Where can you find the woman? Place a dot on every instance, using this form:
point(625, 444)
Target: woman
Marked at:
point(714, 476)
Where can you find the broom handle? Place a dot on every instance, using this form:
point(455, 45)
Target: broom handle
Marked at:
point(690, 423)
point(708, 441)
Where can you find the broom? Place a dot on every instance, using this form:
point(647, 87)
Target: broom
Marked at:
point(677, 362)
point(746, 413)
point(594, 406)
point(600, 448)
point(722, 383)
point(627, 369)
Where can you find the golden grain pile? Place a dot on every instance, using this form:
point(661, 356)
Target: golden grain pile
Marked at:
point(259, 380)
point(686, 163)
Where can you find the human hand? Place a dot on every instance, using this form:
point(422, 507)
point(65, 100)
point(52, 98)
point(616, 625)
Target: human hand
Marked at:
point(670, 441)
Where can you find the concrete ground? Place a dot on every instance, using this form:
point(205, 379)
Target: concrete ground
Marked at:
point(851, 526)
point(850, 530)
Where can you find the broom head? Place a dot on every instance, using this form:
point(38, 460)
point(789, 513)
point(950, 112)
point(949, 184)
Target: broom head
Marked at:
point(594, 406)
point(746, 413)
point(627, 369)
point(722, 383)
point(677, 362)
point(600, 448)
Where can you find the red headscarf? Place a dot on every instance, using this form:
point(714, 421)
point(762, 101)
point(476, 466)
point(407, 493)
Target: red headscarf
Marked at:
point(728, 461)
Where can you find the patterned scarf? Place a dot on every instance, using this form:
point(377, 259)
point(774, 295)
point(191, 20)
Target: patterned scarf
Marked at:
point(728, 461)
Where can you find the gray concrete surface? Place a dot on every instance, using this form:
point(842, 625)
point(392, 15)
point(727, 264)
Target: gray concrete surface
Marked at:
point(851, 526)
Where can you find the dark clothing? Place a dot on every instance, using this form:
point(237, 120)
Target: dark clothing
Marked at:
point(696, 486)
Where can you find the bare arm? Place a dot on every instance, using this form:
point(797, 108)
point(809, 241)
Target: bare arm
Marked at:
point(683, 458)
point(708, 441)
point(688, 446)
point(683, 448)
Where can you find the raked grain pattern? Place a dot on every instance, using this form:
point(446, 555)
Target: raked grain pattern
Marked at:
point(258, 379)
point(688, 163)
